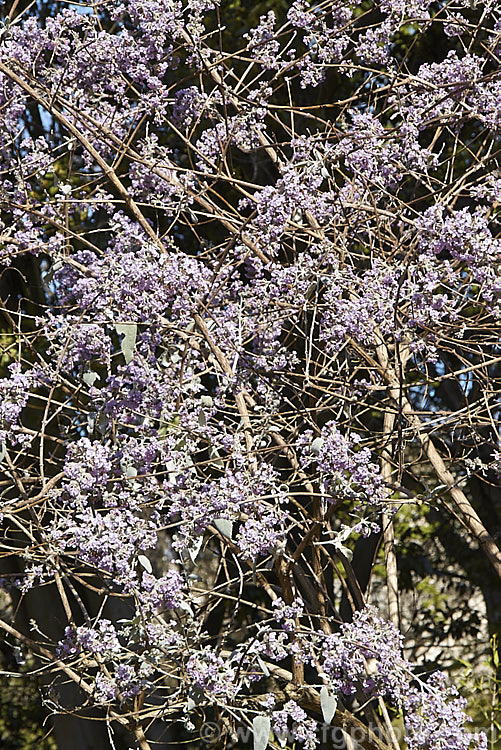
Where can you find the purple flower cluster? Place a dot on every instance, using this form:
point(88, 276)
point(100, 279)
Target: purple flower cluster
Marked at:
point(295, 192)
point(366, 655)
point(217, 677)
point(101, 640)
point(134, 279)
point(454, 90)
point(87, 468)
point(287, 614)
point(435, 718)
point(365, 658)
point(263, 45)
point(238, 496)
point(466, 237)
point(161, 593)
point(14, 393)
point(325, 39)
point(108, 541)
point(302, 729)
point(345, 468)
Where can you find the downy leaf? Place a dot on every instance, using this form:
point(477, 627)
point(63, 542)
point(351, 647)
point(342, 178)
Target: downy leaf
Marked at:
point(143, 560)
point(128, 343)
point(224, 526)
point(328, 704)
point(261, 732)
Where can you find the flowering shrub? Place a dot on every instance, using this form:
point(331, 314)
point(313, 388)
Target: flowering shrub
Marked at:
point(261, 269)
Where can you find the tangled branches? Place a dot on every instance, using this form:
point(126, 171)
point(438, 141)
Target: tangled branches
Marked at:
point(250, 313)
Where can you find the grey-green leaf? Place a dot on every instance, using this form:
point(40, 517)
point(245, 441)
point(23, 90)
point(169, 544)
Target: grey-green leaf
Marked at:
point(195, 549)
point(128, 343)
point(195, 697)
point(261, 726)
point(89, 378)
point(102, 423)
point(214, 454)
point(316, 446)
point(328, 704)
point(263, 666)
point(143, 560)
point(344, 551)
point(224, 526)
